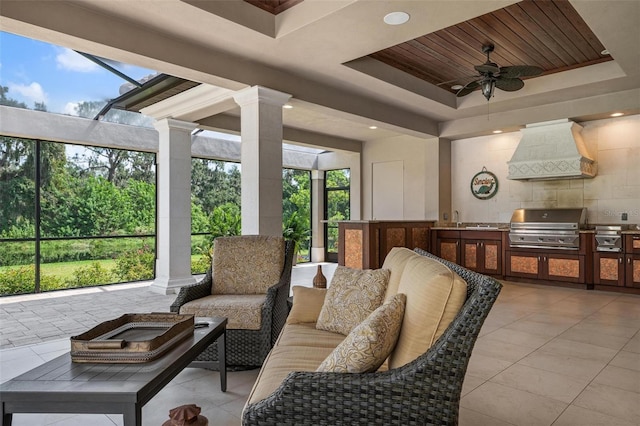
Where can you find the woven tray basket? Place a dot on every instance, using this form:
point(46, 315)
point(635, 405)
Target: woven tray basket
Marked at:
point(131, 338)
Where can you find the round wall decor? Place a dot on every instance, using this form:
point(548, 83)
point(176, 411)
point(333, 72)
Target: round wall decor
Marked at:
point(484, 184)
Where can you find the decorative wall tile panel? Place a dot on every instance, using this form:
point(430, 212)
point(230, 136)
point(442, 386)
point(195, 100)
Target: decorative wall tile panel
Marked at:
point(353, 248)
point(396, 237)
point(524, 264)
point(420, 237)
point(491, 256)
point(448, 251)
point(564, 267)
point(470, 255)
point(608, 269)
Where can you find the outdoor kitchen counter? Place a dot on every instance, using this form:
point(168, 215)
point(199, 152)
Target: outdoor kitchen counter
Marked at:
point(472, 227)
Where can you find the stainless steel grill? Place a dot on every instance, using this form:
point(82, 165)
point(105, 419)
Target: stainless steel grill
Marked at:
point(609, 237)
point(547, 228)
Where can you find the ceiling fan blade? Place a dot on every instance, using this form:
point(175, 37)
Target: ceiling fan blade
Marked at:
point(518, 71)
point(468, 88)
point(509, 84)
point(487, 67)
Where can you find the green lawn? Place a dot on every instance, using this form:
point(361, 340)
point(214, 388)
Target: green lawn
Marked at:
point(65, 270)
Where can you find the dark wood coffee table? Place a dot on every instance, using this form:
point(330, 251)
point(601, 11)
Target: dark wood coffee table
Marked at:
point(62, 386)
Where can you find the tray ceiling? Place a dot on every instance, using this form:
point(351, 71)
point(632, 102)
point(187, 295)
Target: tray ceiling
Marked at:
point(547, 34)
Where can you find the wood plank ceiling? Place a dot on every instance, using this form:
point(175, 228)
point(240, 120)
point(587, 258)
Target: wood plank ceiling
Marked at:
point(549, 34)
point(274, 6)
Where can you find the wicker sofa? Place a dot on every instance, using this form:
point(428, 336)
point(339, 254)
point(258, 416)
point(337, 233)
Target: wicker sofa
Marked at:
point(229, 290)
point(423, 391)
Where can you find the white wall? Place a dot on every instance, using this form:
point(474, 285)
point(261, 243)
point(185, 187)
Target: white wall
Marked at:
point(614, 143)
point(420, 174)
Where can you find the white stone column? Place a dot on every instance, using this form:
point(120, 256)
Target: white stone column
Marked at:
point(317, 215)
point(173, 259)
point(261, 159)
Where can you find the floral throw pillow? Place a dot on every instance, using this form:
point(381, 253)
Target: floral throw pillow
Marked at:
point(370, 343)
point(352, 295)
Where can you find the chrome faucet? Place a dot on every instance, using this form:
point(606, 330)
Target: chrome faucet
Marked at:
point(456, 215)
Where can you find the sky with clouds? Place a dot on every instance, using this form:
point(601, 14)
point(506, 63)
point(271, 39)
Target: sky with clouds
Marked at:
point(61, 78)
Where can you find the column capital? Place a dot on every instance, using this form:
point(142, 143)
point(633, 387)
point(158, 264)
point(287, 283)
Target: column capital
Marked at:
point(260, 94)
point(172, 123)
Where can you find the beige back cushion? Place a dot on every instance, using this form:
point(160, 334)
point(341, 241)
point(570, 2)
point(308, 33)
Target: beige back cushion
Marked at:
point(395, 262)
point(435, 294)
point(247, 264)
point(307, 303)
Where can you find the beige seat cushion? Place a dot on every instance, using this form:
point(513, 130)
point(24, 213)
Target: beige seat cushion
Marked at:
point(247, 264)
point(280, 362)
point(308, 335)
point(307, 303)
point(435, 294)
point(243, 312)
point(395, 262)
point(352, 295)
point(370, 343)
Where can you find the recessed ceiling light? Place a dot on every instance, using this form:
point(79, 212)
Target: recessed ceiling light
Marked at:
point(373, 127)
point(457, 87)
point(287, 106)
point(605, 52)
point(617, 114)
point(497, 131)
point(396, 18)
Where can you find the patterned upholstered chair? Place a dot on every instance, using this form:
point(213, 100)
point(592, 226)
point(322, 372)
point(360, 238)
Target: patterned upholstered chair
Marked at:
point(248, 283)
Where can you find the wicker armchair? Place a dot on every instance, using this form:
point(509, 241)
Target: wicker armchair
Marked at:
point(246, 348)
point(425, 391)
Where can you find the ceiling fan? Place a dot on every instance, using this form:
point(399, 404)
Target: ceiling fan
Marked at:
point(492, 76)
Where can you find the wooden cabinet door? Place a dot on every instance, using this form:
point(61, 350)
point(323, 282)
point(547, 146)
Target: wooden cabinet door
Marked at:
point(632, 269)
point(523, 264)
point(449, 249)
point(608, 268)
point(632, 244)
point(564, 267)
point(470, 255)
point(484, 256)
point(491, 257)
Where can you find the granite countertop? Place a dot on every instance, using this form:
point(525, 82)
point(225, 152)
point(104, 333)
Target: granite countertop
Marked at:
point(472, 226)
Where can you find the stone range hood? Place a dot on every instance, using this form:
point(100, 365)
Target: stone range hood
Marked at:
point(551, 150)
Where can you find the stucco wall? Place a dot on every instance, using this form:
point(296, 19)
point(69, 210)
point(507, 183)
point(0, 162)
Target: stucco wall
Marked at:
point(614, 143)
point(420, 174)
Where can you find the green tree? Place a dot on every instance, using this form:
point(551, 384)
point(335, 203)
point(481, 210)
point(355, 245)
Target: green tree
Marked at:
point(226, 221)
point(140, 202)
point(296, 207)
point(214, 183)
point(4, 100)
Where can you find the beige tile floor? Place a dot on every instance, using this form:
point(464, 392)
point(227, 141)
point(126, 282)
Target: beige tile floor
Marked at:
point(546, 356)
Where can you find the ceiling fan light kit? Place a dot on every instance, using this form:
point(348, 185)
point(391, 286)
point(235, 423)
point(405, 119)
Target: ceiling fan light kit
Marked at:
point(492, 76)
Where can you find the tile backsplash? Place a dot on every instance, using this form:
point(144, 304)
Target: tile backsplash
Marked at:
point(614, 143)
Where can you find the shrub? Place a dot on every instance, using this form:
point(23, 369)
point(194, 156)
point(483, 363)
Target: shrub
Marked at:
point(22, 280)
point(93, 274)
point(17, 280)
point(136, 265)
point(202, 264)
